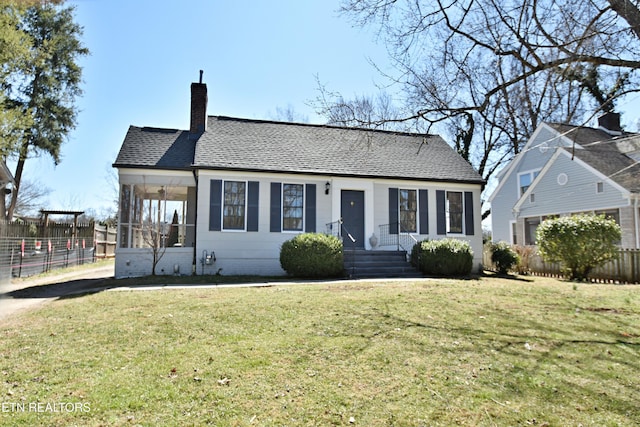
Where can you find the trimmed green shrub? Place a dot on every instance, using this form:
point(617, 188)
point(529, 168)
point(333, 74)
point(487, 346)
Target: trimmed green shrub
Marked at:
point(312, 255)
point(504, 257)
point(580, 243)
point(446, 257)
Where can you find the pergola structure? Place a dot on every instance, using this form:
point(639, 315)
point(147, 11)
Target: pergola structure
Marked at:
point(75, 214)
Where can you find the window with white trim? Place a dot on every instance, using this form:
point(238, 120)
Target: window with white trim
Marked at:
point(455, 212)
point(292, 207)
point(408, 210)
point(525, 179)
point(234, 209)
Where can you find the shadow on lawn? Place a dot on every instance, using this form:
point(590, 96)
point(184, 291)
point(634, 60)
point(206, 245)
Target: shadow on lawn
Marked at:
point(541, 348)
point(68, 289)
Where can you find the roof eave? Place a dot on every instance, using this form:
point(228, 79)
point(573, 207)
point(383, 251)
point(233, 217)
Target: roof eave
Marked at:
point(340, 174)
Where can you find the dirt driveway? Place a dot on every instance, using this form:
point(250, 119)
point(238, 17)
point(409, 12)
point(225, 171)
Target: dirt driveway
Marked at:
point(29, 293)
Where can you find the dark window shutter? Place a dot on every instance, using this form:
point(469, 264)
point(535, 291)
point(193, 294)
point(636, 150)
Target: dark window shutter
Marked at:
point(441, 214)
point(393, 210)
point(423, 211)
point(253, 210)
point(310, 209)
point(215, 205)
point(275, 208)
point(468, 213)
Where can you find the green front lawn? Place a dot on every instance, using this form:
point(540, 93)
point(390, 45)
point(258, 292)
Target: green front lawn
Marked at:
point(427, 352)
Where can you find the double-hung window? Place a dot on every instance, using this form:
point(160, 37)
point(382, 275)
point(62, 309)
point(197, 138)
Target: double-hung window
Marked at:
point(292, 207)
point(408, 201)
point(233, 205)
point(525, 179)
point(455, 211)
point(233, 217)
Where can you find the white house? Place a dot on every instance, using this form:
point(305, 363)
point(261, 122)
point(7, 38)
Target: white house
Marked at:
point(236, 189)
point(564, 170)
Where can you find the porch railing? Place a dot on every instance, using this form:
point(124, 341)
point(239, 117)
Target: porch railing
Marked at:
point(392, 235)
point(338, 229)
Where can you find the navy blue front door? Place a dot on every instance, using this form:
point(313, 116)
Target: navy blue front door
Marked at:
point(352, 211)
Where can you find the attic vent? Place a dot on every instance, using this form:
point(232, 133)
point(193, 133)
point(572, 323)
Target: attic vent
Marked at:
point(563, 179)
point(543, 147)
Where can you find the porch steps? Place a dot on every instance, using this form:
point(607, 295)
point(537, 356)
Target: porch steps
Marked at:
point(360, 264)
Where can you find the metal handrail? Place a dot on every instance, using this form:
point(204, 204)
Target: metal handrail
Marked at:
point(400, 239)
point(338, 229)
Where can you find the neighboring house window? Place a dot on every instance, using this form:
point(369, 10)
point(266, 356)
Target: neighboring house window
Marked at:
point(233, 213)
point(525, 179)
point(613, 214)
point(455, 211)
point(408, 211)
point(514, 232)
point(600, 187)
point(530, 228)
point(292, 207)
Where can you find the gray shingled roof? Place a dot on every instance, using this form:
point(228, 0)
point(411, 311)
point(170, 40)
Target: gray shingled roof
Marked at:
point(256, 145)
point(601, 152)
point(156, 148)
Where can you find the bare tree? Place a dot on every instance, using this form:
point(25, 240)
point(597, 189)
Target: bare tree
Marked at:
point(289, 114)
point(33, 197)
point(489, 72)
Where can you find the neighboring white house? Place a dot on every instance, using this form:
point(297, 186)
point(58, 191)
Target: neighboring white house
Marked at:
point(564, 170)
point(236, 189)
point(6, 177)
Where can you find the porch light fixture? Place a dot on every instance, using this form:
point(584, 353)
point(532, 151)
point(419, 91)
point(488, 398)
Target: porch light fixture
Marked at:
point(327, 186)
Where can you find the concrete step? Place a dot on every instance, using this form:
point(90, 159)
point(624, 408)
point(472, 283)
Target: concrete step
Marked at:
point(378, 264)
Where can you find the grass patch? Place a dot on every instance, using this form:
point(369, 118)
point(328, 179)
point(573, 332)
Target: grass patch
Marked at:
point(431, 352)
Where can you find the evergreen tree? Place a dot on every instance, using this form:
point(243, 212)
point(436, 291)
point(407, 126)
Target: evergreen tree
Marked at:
point(43, 86)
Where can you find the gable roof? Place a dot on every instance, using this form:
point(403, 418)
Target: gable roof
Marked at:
point(596, 147)
point(577, 160)
point(600, 150)
point(268, 146)
point(581, 134)
point(605, 158)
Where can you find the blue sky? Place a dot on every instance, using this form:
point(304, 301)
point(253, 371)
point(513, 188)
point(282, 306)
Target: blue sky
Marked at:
point(257, 56)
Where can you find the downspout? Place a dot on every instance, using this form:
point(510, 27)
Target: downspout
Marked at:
point(636, 215)
point(194, 261)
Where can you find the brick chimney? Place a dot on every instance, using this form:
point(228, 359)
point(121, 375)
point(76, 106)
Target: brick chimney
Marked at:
point(198, 107)
point(610, 123)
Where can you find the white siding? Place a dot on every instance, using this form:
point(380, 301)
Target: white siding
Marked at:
point(139, 262)
point(259, 252)
point(243, 252)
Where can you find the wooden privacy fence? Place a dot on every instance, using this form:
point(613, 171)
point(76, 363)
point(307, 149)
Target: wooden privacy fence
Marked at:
point(625, 269)
point(105, 241)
